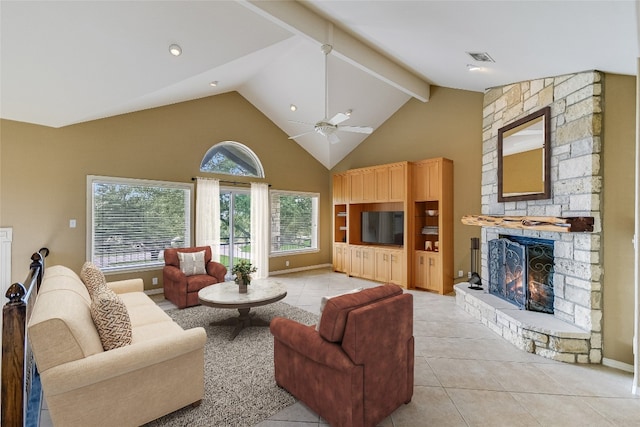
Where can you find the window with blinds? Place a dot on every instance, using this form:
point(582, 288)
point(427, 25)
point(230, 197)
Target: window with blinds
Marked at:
point(294, 222)
point(132, 221)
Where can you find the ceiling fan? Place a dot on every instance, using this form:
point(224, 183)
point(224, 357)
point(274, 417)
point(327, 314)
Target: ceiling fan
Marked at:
point(329, 126)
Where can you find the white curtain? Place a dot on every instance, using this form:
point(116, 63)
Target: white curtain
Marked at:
point(260, 229)
point(208, 215)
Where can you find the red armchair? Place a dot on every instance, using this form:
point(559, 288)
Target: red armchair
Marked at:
point(182, 290)
point(358, 368)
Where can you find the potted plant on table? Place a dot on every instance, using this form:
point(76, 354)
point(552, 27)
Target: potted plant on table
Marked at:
point(242, 270)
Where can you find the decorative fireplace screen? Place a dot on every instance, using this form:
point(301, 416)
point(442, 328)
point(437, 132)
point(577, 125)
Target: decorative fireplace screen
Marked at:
point(521, 272)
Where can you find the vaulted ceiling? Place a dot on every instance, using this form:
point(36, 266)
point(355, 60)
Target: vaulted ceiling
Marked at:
point(66, 62)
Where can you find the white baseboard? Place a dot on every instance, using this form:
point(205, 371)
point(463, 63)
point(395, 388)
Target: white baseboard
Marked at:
point(293, 270)
point(617, 365)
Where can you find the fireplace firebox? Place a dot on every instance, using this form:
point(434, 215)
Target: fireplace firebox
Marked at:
point(521, 272)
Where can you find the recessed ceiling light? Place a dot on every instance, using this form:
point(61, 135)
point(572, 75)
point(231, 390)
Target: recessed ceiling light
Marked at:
point(473, 67)
point(213, 83)
point(175, 50)
point(293, 107)
point(481, 56)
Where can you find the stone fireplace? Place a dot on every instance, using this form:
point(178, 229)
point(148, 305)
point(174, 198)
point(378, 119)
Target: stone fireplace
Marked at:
point(571, 332)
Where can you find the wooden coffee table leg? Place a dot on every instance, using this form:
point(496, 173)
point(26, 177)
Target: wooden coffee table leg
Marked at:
point(244, 320)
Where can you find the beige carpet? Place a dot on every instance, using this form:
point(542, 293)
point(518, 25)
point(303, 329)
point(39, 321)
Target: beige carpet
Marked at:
point(240, 389)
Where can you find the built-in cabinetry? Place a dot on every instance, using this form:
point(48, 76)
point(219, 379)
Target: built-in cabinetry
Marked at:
point(432, 208)
point(422, 191)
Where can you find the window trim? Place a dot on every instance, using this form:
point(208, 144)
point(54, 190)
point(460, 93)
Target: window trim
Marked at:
point(91, 179)
point(237, 145)
point(315, 213)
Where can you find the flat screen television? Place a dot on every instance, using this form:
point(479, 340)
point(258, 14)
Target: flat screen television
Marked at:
point(383, 228)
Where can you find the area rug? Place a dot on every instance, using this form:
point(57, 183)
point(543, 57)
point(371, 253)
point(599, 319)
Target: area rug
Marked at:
point(240, 389)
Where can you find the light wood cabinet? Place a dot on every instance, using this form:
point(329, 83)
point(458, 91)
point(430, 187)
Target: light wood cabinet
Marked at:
point(427, 180)
point(397, 182)
point(362, 261)
point(411, 187)
point(382, 184)
point(340, 257)
point(368, 185)
point(432, 224)
point(340, 188)
point(389, 266)
point(427, 271)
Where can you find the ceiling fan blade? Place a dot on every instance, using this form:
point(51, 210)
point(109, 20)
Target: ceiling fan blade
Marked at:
point(333, 138)
point(338, 118)
point(302, 134)
point(357, 129)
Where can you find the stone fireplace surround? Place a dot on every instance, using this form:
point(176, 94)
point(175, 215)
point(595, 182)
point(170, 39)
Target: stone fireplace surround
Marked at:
point(574, 332)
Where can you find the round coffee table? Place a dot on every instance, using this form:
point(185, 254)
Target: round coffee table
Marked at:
point(226, 295)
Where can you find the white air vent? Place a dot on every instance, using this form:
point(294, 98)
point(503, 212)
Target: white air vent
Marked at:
point(481, 56)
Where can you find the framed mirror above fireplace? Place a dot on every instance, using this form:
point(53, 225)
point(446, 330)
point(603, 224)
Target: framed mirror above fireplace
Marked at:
point(524, 156)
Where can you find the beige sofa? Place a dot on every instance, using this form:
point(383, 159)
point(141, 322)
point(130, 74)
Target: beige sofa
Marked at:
point(162, 370)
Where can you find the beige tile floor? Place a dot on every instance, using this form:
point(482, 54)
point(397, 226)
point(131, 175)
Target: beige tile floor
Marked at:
point(465, 375)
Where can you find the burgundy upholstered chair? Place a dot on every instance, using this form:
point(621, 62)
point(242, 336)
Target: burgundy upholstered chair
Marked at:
point(182, 290)
point(358, 368)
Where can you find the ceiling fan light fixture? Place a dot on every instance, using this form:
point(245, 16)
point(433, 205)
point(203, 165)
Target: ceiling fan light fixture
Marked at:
point(473, 67)
point(213, 83)
point(481, 56)
point(348, 112)
point(175, 50)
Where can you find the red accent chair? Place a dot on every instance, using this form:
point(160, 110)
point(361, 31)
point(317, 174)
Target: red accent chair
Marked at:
point(183, 290)
point(358, 368)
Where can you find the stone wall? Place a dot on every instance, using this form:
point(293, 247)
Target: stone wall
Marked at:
point(576, 185)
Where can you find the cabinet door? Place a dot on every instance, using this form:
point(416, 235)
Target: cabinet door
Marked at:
point(420, 181)
point(397, 182)
point(382, 265)
point(340, 258)
point(396, 268)
point(368, 185)
point(421, 269)
point(368, 263)
point(382, 184)
point(355, 187)
point(355, 261)
point(426, 180)
point(433, 180)
point(339, 188)
point(434, 279)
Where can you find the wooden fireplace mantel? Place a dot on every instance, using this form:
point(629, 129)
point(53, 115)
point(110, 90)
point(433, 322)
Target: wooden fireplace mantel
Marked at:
point(540, 223)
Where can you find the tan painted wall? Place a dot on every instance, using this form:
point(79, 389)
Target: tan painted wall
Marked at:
point(618, 217)
point(43, 170)
point(448, 125)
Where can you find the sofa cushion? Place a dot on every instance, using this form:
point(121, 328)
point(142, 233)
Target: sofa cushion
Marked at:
point(60, 327)
point(92, 277)
point(195, 283)
point(192, 263)
point(335, 314)
point(324, 300)
point(111, 318)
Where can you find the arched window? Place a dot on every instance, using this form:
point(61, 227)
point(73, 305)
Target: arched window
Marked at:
point(232, 158)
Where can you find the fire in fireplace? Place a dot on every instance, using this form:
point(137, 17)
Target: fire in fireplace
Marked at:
point(521, 271)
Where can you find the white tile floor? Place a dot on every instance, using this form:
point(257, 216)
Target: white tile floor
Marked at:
point(465, 375)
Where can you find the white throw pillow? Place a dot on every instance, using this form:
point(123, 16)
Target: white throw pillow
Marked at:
point(192, 263)
point(324, 300)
